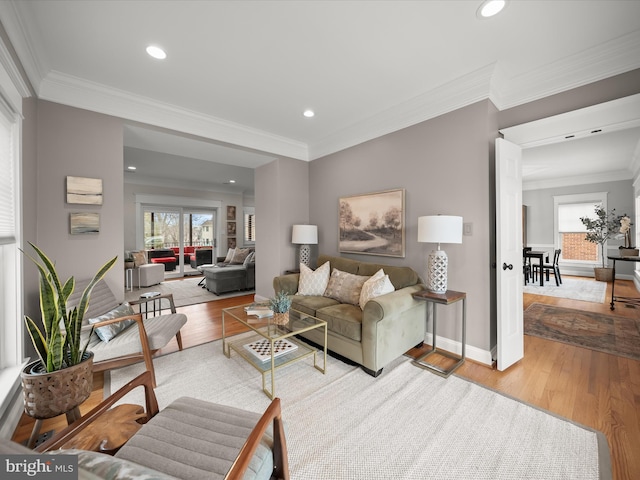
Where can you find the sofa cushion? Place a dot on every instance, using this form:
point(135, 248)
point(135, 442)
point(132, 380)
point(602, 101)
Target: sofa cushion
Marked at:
point(251, 258)
point(400, 276)
point(345, 287)
point(107, 332)
point(343, 319)
point(311, 304)
point(139, 258)
point(313, 282)
point(239, 255)
point(377, 285)
point(229, 256)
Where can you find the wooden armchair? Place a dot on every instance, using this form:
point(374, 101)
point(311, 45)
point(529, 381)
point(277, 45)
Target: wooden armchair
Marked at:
point(142, 335)
point(233, 445)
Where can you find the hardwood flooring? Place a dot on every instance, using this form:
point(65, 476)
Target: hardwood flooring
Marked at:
point(595, 389)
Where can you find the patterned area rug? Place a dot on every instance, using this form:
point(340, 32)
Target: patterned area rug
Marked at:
point(604, 333)
point(573, 288)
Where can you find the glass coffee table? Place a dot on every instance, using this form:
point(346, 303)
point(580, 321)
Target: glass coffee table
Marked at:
point(270, 346)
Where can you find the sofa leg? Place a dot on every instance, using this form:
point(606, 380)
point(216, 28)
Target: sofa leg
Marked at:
point(420, 345)
point(371, 372)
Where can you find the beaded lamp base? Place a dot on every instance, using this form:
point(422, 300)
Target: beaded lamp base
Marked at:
point(437, 262)
point(305, 255)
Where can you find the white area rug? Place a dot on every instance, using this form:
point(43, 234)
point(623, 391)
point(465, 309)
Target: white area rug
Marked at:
point(185, 292)
point(573, 288)
point(406, 424)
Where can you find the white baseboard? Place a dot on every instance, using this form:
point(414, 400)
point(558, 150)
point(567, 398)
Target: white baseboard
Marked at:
point(473, 353)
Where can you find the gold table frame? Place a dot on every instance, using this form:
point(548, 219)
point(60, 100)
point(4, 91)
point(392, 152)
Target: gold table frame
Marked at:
point(265, 328)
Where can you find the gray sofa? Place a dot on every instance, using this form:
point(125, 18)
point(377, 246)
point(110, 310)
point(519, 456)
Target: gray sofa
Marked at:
point(387, 327)
point(227, 277)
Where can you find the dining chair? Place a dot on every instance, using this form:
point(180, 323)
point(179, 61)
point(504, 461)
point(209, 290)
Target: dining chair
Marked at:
point(548, 268)
point(526, 265)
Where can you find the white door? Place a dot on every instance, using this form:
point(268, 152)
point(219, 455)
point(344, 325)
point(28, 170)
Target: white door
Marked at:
point(510, 347)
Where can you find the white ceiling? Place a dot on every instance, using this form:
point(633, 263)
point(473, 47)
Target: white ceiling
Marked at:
point(240, 73)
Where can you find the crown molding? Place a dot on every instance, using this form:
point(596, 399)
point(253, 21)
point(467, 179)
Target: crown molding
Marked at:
point(25, 43)
point(456, 94)
point(603, 61)
point(77, 92)
point(577, 180)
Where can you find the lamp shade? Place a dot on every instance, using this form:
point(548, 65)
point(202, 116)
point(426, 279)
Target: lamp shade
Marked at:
point(305, 234)
point(440, 229)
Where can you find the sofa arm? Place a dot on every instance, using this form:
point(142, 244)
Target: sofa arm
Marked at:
point(286, 283)
point(391, 325)
point(390, 304)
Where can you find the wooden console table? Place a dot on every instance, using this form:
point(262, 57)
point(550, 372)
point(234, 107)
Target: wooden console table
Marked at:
point(629, 300)
point(446, 298)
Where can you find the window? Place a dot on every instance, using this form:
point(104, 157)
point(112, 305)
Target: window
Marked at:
point(249, 225)
point(570, 231)
point(10, 310)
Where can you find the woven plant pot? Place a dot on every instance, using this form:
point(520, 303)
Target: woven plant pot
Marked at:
point(603, 274)
point(48, 395)
point(280, 318)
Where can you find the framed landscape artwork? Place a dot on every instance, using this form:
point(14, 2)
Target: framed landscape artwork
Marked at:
point(81, 190)
point(372, 223)
point(84, 222)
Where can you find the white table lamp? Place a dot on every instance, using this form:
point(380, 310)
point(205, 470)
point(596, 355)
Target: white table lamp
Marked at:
point(438, 229)
point(305, 236)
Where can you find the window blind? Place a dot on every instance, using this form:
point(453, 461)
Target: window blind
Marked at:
point(7, 182)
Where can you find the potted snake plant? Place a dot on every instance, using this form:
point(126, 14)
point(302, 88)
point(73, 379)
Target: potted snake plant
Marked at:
point(62, 377)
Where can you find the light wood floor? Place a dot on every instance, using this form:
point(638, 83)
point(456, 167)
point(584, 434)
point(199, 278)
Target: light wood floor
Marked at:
point(595, 389)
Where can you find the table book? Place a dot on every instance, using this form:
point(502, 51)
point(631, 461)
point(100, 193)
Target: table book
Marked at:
point(260, 311)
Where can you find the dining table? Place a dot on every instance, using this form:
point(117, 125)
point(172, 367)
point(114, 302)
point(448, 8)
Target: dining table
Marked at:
point(540, 255)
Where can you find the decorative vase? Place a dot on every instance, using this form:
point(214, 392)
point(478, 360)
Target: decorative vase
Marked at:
point(280, 318)
point(629, 252)
point(603, 274)
point(129, 264)
point(50, 394)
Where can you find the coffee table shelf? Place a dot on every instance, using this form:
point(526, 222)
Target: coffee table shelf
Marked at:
point(265, 329)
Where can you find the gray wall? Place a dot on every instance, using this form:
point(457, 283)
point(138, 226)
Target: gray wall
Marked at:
point(79, 143)
point(282, 200)
point(444, 165)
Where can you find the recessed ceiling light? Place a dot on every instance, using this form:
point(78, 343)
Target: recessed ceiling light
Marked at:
point(131, 167)
point(156, 52)
point(489, 8)
point(232, 181)
point(308, 113)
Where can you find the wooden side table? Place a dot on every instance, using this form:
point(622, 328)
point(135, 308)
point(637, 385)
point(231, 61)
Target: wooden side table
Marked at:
point(446, 298)
point(110, 431)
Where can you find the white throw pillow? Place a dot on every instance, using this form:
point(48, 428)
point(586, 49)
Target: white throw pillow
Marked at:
point(313, 282)
point(230, 253)
point(374, 287)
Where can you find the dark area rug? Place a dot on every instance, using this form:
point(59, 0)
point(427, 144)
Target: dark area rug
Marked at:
point(605, 333)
